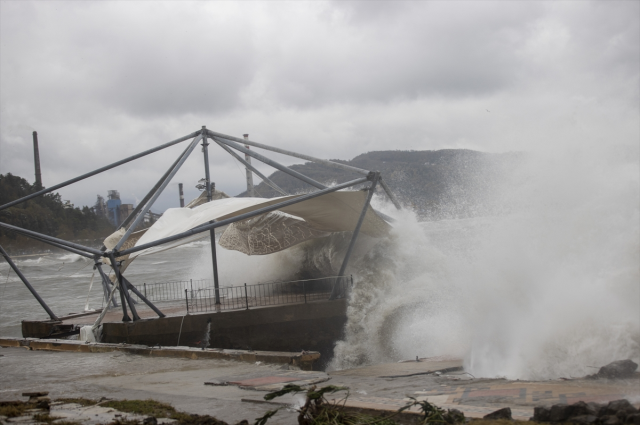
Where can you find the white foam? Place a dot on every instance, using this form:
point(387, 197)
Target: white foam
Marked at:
point(543, 290)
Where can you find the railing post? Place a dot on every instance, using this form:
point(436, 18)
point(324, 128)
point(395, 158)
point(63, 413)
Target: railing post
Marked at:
point(246, 296)
point(304, 291)
point(145, 289)
point(186, 299)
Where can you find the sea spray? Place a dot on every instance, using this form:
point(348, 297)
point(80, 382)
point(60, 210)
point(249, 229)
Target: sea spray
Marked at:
point(206, 338)
point(545, 287)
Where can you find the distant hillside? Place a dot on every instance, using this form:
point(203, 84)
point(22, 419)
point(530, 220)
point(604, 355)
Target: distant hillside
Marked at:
point(45, 214)
point(435, 184)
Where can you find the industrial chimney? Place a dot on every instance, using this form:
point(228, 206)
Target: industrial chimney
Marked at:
point(250, 190)
point(181, 195)
point(36, 160)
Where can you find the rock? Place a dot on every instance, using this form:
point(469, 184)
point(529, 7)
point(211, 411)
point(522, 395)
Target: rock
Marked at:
point(609, 420)
point(454, 416)
point(617, 369)
point(623, 406)
point(540, 414)
point(596, 408)
point(504, 413)
point(584, 419)
point(633, 418)
point(151, 420)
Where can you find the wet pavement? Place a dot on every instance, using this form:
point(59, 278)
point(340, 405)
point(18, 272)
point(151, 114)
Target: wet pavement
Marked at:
point(235, 390)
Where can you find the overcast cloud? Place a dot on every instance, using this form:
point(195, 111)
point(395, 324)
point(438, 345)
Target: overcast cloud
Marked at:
point(103, 80)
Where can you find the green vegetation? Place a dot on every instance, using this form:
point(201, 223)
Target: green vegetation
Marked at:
point(143, 407)
point(12, 410)
point(45, 418)
point(45, 214)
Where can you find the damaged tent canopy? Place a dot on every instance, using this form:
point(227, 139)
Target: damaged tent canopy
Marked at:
point(266, 233)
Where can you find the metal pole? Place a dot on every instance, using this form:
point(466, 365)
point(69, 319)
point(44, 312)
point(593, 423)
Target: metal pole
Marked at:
point(271, 162)
point(212, 232)
point(250, 190)
point(352, 243)
point(216, 224)
point(290, 153)
point(36, 160)
point(186, 298)
point(246, 296)
point(27, 284)
point(164, 184)
point(153, 190)
point(181, 195)
point(205, 150)
point(98, 171)
point(124, 293)
point(43, 238)
point(214, 261)
point(255, 170)
point(106, 282)
point(66, 248)
point(390, 194)
point(105, 289)
point(142, 297)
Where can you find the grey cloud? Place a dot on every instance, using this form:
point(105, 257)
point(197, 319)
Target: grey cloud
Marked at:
point(471, 53)
point(151, 61)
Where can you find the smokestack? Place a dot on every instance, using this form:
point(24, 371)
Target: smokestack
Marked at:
point(181, 195)
point(36, 160)
point(250, 190)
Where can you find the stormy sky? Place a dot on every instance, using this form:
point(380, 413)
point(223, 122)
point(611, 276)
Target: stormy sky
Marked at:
point(103, 80)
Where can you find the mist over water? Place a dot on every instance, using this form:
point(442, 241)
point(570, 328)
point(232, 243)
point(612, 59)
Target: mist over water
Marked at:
point(548, 286)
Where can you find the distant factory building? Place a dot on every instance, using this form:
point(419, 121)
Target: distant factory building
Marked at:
point(117, 212)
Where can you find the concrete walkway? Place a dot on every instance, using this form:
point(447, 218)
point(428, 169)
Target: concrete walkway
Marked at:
point(234, 388)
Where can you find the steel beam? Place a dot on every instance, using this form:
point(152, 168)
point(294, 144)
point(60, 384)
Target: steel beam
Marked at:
point(106, 282)
point(205, 227)
point(27, 284)
point(212, 232)
point(164, 184)
point(43, 238)
point(66, 248)
point(153, 190)
point(390, 194)
point(290, 153)
point(356, 231)
point(98, 171)
point(271, 162)
point(142, 297)
point(124, 293)
point(252, 168)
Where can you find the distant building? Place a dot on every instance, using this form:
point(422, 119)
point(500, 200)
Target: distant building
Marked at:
point(117, 212)
point(151, 217)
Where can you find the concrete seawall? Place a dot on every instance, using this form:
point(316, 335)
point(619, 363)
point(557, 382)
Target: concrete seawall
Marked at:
point(295, 327)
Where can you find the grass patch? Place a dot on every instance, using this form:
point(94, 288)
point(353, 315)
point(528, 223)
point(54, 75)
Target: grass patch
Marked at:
point(45, 417)
point(143, 407)
point(12, 410)
point(81, 401)
point(158, 410)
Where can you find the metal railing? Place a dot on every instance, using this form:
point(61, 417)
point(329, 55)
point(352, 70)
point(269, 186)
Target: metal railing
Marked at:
point(169, 291)
point(265, 294)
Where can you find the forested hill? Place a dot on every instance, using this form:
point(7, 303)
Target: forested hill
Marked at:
point(45, 214)
point(444, 183)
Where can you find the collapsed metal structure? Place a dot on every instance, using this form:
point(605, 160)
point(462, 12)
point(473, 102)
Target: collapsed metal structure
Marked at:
point(228, 144)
